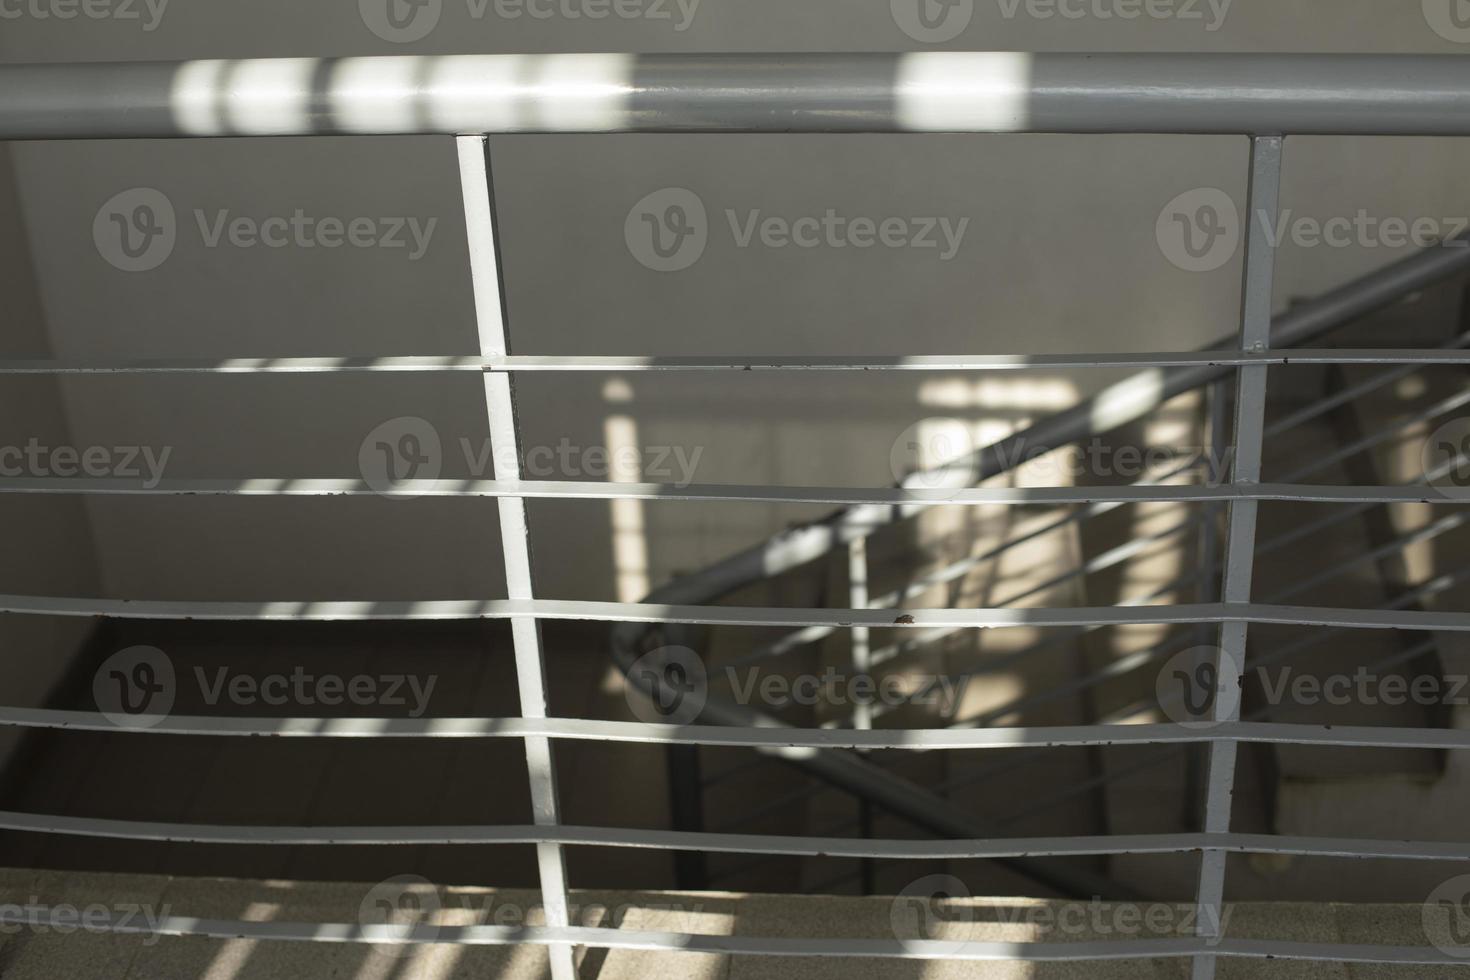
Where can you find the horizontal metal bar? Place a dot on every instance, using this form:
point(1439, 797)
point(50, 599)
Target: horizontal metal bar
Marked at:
point(581, 729)
point(731, 493)
point(824, 887)
point(784, 845)
point(652, 613)
point(1413, 357)
point(612, 612)
point(255, 365)
point(673, 942)
point(1107, 559)
point(921, 92)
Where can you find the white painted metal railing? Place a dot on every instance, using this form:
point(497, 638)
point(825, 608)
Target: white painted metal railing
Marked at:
point(1264, 98)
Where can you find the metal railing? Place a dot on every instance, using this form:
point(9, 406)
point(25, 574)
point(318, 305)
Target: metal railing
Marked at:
point(1199, 579)
point(1264, 98)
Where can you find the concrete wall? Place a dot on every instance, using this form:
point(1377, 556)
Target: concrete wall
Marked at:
point(47, 542)
point(1060, 253)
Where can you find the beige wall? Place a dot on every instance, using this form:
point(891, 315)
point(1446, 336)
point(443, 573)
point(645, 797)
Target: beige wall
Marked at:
point(1060, 254)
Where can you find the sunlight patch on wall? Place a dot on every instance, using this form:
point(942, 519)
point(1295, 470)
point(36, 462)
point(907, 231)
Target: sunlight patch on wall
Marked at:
point(629, 530)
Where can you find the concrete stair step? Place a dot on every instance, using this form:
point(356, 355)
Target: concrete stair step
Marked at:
point(32, 954)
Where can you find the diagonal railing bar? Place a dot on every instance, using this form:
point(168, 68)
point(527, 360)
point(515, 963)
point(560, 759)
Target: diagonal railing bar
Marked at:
point(1407, 599)
point(1457, 577)
point(1121, 553)
point(1276, 428)
point(1134, 661)
point(1374, 439)
point(1019, 759)
point(1353, 392)
point(1127, 665)
point(958, 569)
point(1142, 658)
point(951, 573)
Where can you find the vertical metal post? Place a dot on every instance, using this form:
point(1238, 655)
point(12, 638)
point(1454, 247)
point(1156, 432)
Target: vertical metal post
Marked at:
point(484, 248)
point(1262, 207)
point(686, 806)
point(862, 666)
point(1207, 588)
point(862, 654)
